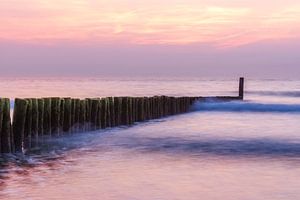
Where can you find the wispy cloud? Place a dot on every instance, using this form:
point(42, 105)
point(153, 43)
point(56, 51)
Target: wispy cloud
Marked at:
point(173, 23)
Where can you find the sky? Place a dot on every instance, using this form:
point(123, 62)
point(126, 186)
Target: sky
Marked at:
point(225, 38)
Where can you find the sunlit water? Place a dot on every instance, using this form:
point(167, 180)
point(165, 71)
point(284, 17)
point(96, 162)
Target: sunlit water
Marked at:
point(230, 151)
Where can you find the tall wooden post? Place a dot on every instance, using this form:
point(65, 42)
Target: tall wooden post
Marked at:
point(19, 118)
point(55, 115)
point(35, 120)
point(7, 142)
point(241, 88)
point(41, 117)
point(47, 116)
point(67, 115)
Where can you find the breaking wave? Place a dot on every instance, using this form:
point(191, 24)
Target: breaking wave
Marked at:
point(245, 107)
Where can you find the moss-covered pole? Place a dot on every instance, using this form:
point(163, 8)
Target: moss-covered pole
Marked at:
point(19, 118)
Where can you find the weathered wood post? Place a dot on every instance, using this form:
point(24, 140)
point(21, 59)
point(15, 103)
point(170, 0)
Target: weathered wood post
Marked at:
point(19, 119)
point(94, 113)
point(118, 110)
point(241, 88)
point(47, 116)
point(77, 111)
point(62, 115)
point(73, 108)
point(99, 122)
point(35, 120)
point(7, 141)
point(55, 115)
point(112, 111)
point(41, 117)
point(28, 124)
point(88, 114)
point(108, 115)
point(102, 114)
point(67, 115)
point(130, 110)
point(1, 120)
point(82, 115)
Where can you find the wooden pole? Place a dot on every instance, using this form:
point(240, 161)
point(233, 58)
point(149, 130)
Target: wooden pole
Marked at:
point(62, 115)
point(77, 111)
point(28, 124)
point(67, 115)
point(241, 88)
point(88, 114)
point(47, 116)
point(99, 123)
point(94, 113)
point(108, 115)
point(19, 119)
point(35, 120)
point(112, 111)
point(1, 120)
point(7, 141)
point(73, 108)
point(41, 117)
point(82, 115)
point(55, 115)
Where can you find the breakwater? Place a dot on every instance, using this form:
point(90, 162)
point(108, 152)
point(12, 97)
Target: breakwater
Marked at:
point(36, 118)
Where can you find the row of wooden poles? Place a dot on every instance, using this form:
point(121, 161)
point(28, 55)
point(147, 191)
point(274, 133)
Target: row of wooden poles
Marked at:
point(35, 118)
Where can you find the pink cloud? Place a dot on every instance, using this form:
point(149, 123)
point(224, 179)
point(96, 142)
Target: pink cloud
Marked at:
point(148, 23)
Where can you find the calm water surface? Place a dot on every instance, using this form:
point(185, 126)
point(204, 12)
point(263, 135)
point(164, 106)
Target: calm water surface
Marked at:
point(230, 151)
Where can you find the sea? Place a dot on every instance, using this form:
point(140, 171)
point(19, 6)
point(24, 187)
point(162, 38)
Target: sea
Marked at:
point(241, 150)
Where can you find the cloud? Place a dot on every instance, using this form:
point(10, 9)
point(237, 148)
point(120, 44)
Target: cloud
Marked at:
point(83, 21)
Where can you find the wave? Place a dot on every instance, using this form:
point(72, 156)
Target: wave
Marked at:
point(245, 107)
point(275, 93)
point(258, 147)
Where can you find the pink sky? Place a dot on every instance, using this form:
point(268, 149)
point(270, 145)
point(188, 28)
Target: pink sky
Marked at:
point(147, 36)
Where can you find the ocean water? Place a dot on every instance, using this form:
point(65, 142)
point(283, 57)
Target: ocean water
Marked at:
point(230, 151)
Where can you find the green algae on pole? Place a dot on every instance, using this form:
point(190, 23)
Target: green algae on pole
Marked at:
point(19, 118)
